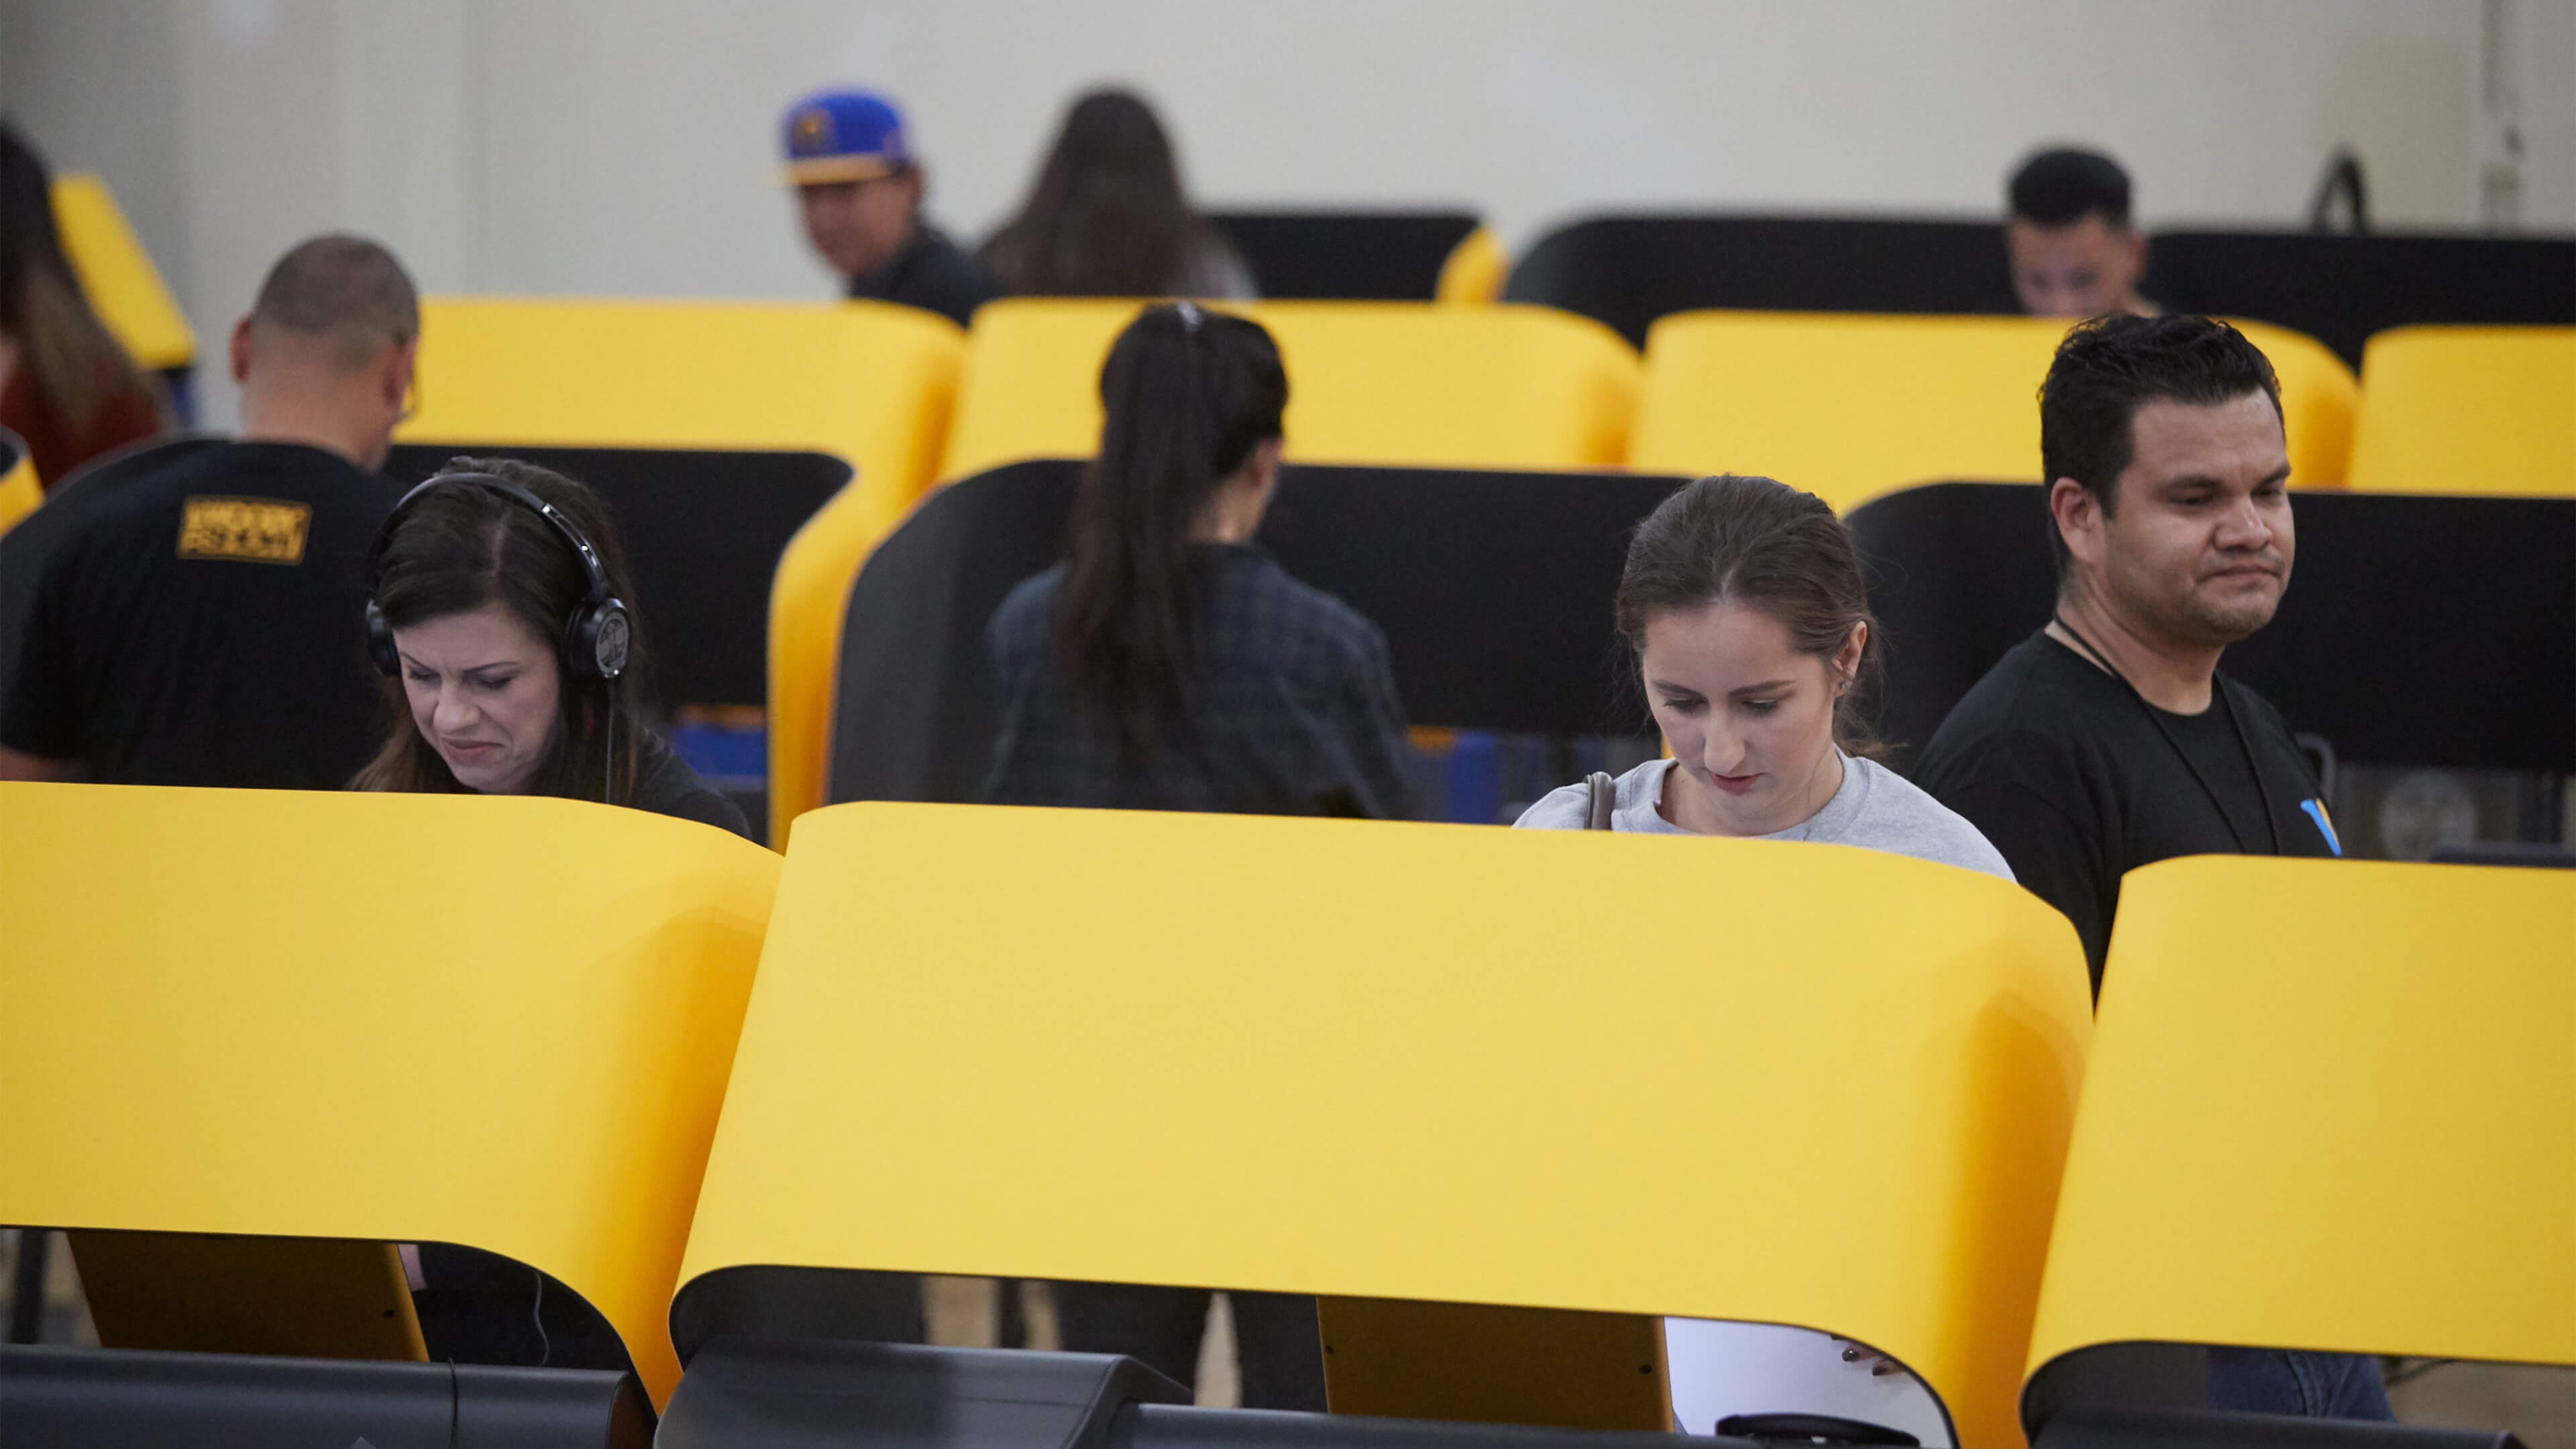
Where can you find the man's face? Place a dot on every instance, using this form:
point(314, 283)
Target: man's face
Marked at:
point(2198, 550)
point(858, 225)
point(2081, 270)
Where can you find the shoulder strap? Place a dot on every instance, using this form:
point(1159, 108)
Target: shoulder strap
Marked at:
point(1604, 797)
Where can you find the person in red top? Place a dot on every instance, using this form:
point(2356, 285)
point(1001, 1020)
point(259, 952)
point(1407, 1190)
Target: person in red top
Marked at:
point(66, 387)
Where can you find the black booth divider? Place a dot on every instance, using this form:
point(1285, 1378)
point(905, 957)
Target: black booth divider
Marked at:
point(1493, 588)
point(1381, 256)
point(2340, 289)
point(2418, 629)
point(703, 530)
point(71, 1398)
point(1626, 271)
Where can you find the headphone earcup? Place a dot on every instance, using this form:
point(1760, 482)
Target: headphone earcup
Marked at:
point(598, 640)
point(380, 642)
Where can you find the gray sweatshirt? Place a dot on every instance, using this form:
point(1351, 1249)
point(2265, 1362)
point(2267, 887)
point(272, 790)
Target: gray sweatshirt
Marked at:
point(1876, 808)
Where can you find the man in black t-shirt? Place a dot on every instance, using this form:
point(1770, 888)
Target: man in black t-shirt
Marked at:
point(204, 623)
point(2109, 740)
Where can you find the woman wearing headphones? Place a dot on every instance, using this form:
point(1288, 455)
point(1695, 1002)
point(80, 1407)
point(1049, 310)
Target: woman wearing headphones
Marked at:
point(1170, 664)
point(497, 611)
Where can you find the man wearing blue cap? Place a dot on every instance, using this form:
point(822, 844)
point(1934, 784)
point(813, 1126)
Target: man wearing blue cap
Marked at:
point(861, 192)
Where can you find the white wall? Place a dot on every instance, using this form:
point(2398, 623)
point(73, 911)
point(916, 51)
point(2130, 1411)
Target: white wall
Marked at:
point(626, 146)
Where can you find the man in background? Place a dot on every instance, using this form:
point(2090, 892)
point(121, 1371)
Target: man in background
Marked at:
point(205, 624)
point(860, 189)
point(2074, 252)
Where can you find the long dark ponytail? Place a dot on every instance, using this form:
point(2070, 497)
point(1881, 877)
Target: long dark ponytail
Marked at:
point(1189, 394)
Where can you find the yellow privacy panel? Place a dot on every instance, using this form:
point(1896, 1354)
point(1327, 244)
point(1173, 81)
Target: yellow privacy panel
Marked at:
point(2468, 410)
point(119, 277)
point(2332, 1105)
point(868, 381)
point(1714, 1078)
point(1475, 270)
point(503, 1022)
point(19, 491)
point(1368, 382)
point(1851, 405)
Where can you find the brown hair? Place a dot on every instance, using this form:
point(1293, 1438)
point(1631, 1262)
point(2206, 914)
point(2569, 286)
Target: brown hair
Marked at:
point(458, 548)
point(1767, 546)
point(1107, 216)
point(75, 363)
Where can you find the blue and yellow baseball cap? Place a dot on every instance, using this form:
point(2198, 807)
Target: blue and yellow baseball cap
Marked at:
point(844, 136)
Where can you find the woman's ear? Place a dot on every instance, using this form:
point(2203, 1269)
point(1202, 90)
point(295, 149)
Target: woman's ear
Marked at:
point(1847, 658)
point(1262, 468)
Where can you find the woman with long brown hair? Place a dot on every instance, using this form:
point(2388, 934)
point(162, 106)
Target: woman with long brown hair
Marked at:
point(1108, 217)
point(497, 612)
point(65, 385)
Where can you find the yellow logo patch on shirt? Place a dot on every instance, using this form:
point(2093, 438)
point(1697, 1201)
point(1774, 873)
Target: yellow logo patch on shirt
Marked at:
point(252, 530)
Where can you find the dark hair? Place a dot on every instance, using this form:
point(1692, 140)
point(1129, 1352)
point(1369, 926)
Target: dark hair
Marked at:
point(1762, 544)
point(1189, 394)
point(2108, 367)
point(76, 364)
point(457, 549)
point(344, 288)
point(2062, 187)
point(1107, 216)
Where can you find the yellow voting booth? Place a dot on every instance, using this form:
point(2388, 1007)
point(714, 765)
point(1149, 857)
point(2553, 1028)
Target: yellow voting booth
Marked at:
point(499, 1022)
point(1633, 1075)
point(1368, 382)
point(2468, 410)
point(2410, 1027)
point(868, 382)
point(118, 275)
point(1851, 405)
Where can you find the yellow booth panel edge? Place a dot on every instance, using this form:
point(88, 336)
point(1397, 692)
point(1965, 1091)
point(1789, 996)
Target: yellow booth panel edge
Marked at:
point(1387, 383)
point(2332, 1106)
point(20, 493)
point(1440, 1088)
point(869, 382)
point(119, 276)
point(1475, 271)
point(1849, 406)
point(2468, 410)
point(505, 1022)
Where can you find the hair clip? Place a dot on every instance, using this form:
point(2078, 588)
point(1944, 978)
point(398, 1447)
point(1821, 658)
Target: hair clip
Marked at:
point(1189, 316)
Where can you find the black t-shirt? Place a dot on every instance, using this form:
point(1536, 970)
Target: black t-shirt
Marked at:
point(931, 273)
point(2063, 767)
point(207, 627)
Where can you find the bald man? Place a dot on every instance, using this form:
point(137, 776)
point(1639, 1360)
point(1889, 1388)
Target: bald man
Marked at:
point(204, 623)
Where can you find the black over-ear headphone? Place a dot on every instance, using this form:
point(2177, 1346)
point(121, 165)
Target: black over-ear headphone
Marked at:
point(596, 636)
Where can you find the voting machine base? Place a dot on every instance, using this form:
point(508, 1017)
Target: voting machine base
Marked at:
point(812, 1394)
point(83, 1398)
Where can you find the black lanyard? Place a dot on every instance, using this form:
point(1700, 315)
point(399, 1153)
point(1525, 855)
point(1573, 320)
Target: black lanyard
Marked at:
point(2155, 717)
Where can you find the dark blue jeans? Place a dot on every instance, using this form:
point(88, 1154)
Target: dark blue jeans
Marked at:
point(2311, 1385)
